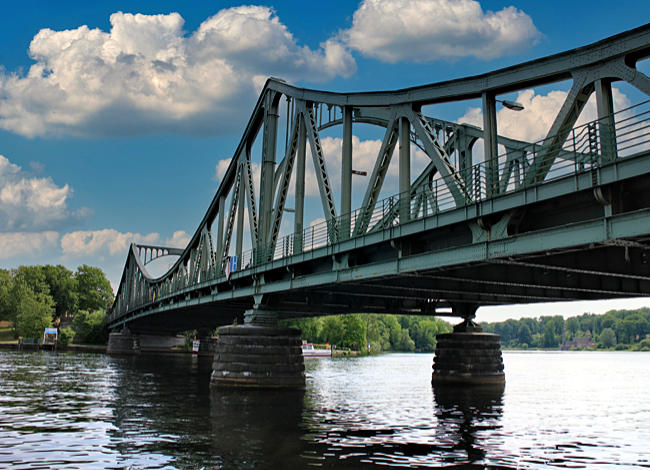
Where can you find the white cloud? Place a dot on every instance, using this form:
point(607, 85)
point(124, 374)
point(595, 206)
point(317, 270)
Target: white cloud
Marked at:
point(91, 242)
point(17, 244)
point(425, 30)
point(147, 75)
point(32, 203)
point(179, 239)
point(533, 123)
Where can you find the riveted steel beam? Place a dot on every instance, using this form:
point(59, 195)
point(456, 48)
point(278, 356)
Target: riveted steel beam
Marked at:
point(325, 189)
point(377, 178)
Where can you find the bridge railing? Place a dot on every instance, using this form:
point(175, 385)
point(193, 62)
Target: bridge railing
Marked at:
point(587, 147)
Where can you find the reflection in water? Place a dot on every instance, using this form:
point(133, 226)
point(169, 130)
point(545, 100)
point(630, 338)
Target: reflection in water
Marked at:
point(466, 416)
point(257, 429)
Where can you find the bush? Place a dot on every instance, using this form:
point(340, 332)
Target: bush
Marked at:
point(65, 336)
point(89, 327)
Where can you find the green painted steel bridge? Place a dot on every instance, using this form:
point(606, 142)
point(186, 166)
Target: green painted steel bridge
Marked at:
point(488, 220)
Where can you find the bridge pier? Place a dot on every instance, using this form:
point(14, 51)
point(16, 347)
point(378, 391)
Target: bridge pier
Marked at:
point(127, 342)
point(258, 354)
point(468, 356)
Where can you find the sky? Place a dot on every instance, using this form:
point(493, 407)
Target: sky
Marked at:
point(117, 119)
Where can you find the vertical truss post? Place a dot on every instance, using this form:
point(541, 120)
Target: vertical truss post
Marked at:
point(241, 206)
point(269, 144)
point(464, 145)
point(404, 170)
point(605, 105)
point(300, 183)
point(346, 173)
point(220, 217)
point(490, 143)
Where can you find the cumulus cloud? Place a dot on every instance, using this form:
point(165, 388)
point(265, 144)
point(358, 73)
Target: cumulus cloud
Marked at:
point(32, 204)
point(425, 30)
point(17, 244)
point(91, 242)
point(148, 75)
point(179, 239)
point(533, 123)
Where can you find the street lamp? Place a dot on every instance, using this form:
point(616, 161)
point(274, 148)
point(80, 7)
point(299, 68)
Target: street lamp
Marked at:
point(360, 172)
point(514, 105)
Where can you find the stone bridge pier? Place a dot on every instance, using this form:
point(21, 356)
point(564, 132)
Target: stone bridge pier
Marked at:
point(467, 356)
point(128, 342)
point(258, 354)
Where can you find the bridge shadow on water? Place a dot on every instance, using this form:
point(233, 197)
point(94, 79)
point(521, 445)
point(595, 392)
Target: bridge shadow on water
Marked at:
point(165, 414)
point(261, 429)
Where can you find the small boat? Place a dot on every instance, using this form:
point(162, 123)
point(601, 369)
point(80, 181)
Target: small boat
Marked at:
point(308, 350)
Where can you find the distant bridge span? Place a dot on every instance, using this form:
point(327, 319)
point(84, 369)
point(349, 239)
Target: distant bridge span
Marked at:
point(565, 218)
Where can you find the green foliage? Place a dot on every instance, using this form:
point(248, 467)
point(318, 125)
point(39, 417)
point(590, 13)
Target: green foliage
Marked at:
point(6, 284)
point(626, 327)
point(33, 311)
point(608, 338)
point(373, 333)
point(93, 289)
point(65, 336)
point(89, 327)
point(63, 288)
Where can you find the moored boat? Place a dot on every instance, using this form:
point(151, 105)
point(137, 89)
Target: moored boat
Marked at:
point(309, 350)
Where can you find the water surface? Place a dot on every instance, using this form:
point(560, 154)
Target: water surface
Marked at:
point(562, 410)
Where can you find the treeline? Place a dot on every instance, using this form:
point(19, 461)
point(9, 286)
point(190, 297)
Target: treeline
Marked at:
point(373, 333)
point(33, 298)
point(616, 329)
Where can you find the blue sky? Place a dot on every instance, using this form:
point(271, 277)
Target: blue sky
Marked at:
point(113, 120)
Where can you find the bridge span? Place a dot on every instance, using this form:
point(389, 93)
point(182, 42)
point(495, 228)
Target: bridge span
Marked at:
point(489, 220)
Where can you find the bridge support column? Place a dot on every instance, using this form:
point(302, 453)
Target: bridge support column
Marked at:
point(258, 354)
point(123, 342)
point(468, 357)
point(127, 342)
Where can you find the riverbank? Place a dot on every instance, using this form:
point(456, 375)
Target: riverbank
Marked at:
point(95, 348)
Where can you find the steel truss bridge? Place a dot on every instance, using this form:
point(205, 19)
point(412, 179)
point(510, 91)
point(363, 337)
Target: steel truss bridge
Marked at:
point(564, 218)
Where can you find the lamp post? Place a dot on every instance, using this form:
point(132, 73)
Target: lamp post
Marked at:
point(514, 105)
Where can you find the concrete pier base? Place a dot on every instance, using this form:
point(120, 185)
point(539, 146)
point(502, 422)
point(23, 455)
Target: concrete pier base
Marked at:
point(468, 358)
point(126, 342)
point(122, 342)
point(251, 356)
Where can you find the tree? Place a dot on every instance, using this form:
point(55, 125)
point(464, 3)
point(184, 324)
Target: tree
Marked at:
point(33, 311)
point(404, 343)
point(332, 330)
point(608, 338)
point(93, 289)
point(6, 284)
point(33, 277)
point(354, 335)
point(63, 288)
point(549, 338)
point(89, 327)
point(572, 326)
point(524, 336)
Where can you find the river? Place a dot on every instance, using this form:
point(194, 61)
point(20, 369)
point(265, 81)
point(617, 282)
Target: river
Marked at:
point(562, 410)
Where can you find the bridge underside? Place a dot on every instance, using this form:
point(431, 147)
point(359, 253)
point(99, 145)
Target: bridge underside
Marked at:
point(569, 248)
